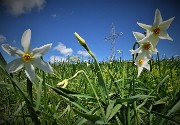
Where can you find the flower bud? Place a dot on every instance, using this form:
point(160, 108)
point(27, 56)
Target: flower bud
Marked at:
point(81, 40)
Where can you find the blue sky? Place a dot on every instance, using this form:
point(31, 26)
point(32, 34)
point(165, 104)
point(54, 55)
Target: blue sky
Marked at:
point(55, 21)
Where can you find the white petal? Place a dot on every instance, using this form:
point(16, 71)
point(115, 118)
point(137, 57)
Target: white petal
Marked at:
point(30, 72)
point(138, 36)
point(147, 66)
point(145, 39)
point(144, 26)
point(165, 35)
point(139, 70)
point(14, 65)
point(165, 24)
point(25, 40)
point(138, 50)
point(157, 18)
point(154, 40)
point(13, 51)
point(39, 63)
point(155, 51)
point(40, 51)
point(146, 53)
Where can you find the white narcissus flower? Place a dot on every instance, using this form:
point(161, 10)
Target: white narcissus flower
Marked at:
point(27, 59)
point(159, 28)
point(145, 46)
point(142, 62)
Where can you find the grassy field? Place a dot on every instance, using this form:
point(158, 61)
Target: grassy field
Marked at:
point(110, 94)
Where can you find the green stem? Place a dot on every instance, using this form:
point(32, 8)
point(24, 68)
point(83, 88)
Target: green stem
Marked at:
point(159, 64)
point(102, 110)
point(103, 89)
point(29, 90)
point(128, 114)
point(45, 98)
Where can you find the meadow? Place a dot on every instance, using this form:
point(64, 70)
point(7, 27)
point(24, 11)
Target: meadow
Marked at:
point(155, 94)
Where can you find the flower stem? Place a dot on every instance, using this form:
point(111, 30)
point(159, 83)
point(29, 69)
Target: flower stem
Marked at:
point(29, 90)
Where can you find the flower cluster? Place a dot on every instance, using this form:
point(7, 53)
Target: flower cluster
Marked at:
point(148, 43)
point(27, 59)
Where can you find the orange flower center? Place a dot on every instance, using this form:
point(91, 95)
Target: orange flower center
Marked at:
point(156, 31)
point(26, 57)
point(146, 46)
point(140, 61)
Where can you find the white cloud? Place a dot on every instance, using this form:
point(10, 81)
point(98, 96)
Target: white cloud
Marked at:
point(57, 59)
point(2, 39)
point(54, 15)
point(83, 53)
point(63, 49)
point(18, 7)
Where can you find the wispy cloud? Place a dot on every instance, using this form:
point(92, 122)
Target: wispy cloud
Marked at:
point(54, 15)
point(18, 7)
point(63, 49)
point(2, 39)
point(54, 59)
point(83, 53)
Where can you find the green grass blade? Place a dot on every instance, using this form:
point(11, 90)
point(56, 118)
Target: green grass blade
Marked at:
point(69, 99)
point(109, 109)
point(114, 111)
point(2, 61)
point(92, 118)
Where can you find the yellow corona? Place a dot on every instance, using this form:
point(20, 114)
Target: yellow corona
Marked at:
point(26, 57)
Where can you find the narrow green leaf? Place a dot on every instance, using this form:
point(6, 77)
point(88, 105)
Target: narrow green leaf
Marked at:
point(2, 61)
point(108, 110)
point(162, 101)
point(114, 111)
point(69, 99)
point(19, 108)
point(174, 109)
point(76, 94)
point(82, 120)
point(133, 98)
point(66, 91)
point(92, 118)
point(39, 91)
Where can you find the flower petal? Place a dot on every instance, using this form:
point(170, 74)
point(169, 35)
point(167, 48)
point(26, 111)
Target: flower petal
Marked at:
point(13, 51)
point(144, 40)
point(146, 53)
point(25, 40)
point(40, 51)
point(14, 65)
point(30, 72)
point(157, 18)
point(138, 50)
point(138, 36)
point(165, 24)
point(165, 35)
point(154, 40)
point(147, 66)
point(39, 63)
point(139, 71)
point(144, 26)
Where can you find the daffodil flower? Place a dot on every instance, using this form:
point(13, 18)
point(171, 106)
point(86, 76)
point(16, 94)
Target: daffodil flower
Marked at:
point(142, 62)
point(27, 59)
point(145, 46)
point(159, 28)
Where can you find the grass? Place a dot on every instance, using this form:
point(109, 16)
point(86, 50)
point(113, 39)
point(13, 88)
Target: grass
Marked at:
point(154, 100)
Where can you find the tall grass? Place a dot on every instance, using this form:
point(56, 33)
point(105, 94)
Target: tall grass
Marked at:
point(155, 97)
